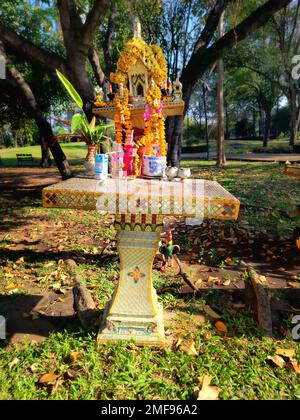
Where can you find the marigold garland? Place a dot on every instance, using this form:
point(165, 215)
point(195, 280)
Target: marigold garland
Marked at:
point(152, 56)
point(154, 132)
point(122, 116)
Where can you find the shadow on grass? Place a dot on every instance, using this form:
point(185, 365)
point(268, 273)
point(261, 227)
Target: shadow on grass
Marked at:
point(21, 326)
point(32, 256)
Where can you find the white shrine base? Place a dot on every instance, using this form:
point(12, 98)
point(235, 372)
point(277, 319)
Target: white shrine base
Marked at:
point(133, 312)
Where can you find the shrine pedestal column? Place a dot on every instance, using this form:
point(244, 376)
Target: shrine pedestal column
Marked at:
point(134, 312)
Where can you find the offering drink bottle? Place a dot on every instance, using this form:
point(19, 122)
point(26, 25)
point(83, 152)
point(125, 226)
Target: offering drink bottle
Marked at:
point(117, 158)
point(101, 166)
point(129, 156)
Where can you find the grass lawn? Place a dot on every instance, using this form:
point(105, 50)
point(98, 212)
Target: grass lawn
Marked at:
point(237, 362)
point(75, 153)
point(250, 146)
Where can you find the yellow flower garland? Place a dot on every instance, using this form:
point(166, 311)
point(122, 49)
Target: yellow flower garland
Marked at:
point(154, 60)
point(122, 116)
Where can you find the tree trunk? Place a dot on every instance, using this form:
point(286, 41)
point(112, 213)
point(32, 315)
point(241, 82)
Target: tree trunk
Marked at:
point(60, 160)
point(46, 159)
point(221, 159)
point(295, 120)
point(44, 126)
point(80, 79)
point(254, 124)
point(107, 43)
point(45, 134)
point(267, 128)
point(227, 133)
point(48, 142)
point(174, 128)
point(260, 124)
point(16, 138)
point(277, 121)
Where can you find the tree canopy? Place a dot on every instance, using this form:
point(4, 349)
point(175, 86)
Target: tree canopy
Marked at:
point(83, 39)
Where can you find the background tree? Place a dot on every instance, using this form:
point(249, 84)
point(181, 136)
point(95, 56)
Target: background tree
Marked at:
point(82, 39)
point(255, 95)
point(79, 25)
point(272, 58)
point(206, 52)
point(221, 159)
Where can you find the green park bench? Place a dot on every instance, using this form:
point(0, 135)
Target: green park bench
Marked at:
point(23, 158)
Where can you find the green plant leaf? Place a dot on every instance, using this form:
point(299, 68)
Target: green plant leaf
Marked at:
point(77, 120)
point(62, 131)
point(70, 89)
point(92, 124)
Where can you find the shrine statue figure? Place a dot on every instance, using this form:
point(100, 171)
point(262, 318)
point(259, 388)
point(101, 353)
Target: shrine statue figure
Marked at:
point(168, 250)
point(177, 94)
point(98, 93)
point(121, 89)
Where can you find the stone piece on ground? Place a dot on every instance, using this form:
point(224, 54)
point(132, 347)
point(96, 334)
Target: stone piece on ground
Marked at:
point(258, 298)
point(71, 263)
point(20, 324)
point(55, 305)
point(84, 305)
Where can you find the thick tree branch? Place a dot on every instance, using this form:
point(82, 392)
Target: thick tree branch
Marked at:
point(71, 22)
point(295, 26)
point(22, 47)
point(95, 63)
point(107, 50)
point(20, 81)
point(202, 59)
point(46, 134)
point(256, 20)
point(211, 24)
point(93, 20)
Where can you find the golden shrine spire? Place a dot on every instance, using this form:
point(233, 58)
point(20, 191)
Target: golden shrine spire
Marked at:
point(136, 27)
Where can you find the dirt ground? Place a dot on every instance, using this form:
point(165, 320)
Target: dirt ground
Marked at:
point(275, 258)
point(15, 183)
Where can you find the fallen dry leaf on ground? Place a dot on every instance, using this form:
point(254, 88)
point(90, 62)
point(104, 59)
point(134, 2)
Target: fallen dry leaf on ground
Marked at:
point(48, 378)
point(57, 384)
point(13, 363)
point(20, 261)
point(187, 345)
point(33, 368)
point(204, 269)
point(76, 355)
point(277, 360)
point(198, 282)
point(205, 391)
point(214, 280)
point(49, 264)
point(210, 312)
point(295, 365)
point(286, 352)
point(226, 283)
point(11, 286)
point(229, 261)
point(71, 374)
point(221, 327)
